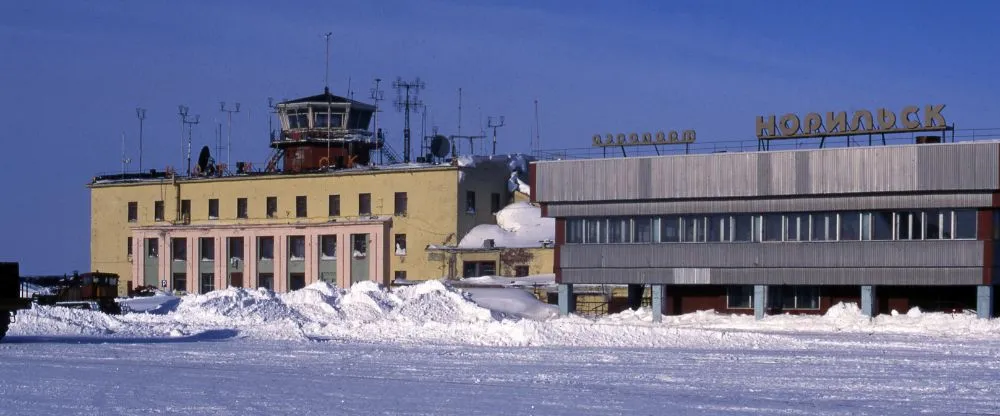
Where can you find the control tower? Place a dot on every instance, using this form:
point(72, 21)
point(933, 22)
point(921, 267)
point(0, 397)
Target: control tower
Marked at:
point(323, 132)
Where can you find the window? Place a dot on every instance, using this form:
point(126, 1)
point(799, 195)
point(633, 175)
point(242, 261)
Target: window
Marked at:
point(213, 209)
point(965, 223)
point(321, 118)
point(908, 225)
point(800, 297)
point(824, 227)
point(494, 203)
point(334, 206)
point(400, 244)
point(359, 244)
point(265, 281)
point(881, 226)
point(296, 247)
point(133, 211)
point(152, 248)
point(265, 248)
point(400, 204)
point(592, 230)
point(364, 204)
point(520, 271)
point(479, 268)
point(178, 249)
point(128, 248)
point(158, 211)
point(574, 230)
point(186, 209)
point(207, 282)
point(296, 281)
point(617, 230)
point(236, 248)
point(300, 207)
point(179, 282)
point(772, 227)
point(670, 229)
point(739, 297)
point(328, 247)
point(298, 118)
point(743, 228)
point(643, 230)
point(207, 248)
point(470, 202)
point(796, 227)
point(399, 275)
point(715, 228)
point(272, 206)
point(241, 208)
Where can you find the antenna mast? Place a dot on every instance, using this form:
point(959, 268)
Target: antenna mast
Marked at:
point(326, 71)
point(376, 96)
point(489, 123)
point(538, 144)
point(229, 128)
point(125, 159)
point(404, 102)
point(183, 111)
point(141, 114)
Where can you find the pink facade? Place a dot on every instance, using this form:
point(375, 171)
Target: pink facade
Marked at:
point(377, 255)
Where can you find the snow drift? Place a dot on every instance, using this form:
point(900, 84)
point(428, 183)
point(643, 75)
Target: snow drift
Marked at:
point(519, 225)
point(434, 313)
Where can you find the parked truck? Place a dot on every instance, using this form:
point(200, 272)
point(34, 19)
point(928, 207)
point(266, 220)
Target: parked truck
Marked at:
point(11, 299)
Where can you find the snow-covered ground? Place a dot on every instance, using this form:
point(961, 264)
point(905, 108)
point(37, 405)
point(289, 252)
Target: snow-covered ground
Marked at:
point(429, 349)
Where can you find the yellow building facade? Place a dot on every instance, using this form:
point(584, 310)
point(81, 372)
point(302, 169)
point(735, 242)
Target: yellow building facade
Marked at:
point(284, 231)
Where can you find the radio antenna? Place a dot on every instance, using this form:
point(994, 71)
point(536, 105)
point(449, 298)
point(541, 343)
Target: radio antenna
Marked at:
point(229, 128)
point(489, 123)
point(326, 72)
point(141, 114)
point(406, 100)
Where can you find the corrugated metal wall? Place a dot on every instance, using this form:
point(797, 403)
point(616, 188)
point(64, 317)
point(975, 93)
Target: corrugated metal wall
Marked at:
point(842, 254)
point(937, 276)
point(935, 167)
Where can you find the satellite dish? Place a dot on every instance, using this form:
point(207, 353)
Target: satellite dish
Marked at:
point(440, 146)
point(205, 162)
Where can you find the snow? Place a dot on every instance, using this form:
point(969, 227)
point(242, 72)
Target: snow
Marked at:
point(519, 225)
point(432, 349)
point(514, 183)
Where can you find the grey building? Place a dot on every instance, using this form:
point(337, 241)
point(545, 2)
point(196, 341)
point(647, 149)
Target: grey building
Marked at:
point(888, 227)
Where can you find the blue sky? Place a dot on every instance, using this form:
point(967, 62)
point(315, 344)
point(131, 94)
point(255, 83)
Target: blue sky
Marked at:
point(73, 72)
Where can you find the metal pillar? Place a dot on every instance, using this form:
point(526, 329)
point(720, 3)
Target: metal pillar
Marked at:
point(984, 301)
point(659, 295)
point(868, 305)
point(567, 303)
point(759, 301)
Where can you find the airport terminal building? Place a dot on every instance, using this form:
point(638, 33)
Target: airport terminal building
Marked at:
point(797, 231)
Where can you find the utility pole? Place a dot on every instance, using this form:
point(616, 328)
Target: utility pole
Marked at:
point(404, 102)
point(376, 96)
point(183, 111)
point(489, 123)
point(229, 128)
point(538, 144)
point(141, 114)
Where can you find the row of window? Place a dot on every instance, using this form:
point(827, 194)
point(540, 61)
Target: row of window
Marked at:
point(264, 280)
point(784, 297)
point(934, 224)
point(400, 206)
point(265, 247)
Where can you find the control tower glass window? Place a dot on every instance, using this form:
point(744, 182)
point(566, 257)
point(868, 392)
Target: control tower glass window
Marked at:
point(298, 118)
point(321, 119)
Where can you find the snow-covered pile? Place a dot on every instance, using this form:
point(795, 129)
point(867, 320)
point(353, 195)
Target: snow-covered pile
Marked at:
point(433, 313)
point(519, 225)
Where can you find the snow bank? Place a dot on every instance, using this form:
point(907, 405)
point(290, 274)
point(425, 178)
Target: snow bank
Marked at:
point(434, 313)
point(519, 225)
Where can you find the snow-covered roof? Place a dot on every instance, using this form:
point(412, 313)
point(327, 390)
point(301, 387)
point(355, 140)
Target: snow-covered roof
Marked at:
point(519, 225)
